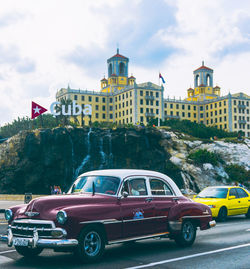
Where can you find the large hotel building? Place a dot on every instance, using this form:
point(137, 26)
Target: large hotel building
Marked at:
point(123, 101)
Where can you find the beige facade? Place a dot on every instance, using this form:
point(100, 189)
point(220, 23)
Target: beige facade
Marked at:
point(123, 101)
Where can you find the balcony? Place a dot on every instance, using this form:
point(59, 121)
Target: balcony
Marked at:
point(149, 114)
point(149, 97)
point(241, 106)
point(242, 121)
point(171, 117)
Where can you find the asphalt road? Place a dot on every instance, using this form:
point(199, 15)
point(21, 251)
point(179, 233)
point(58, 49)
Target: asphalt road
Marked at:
point(225, 246)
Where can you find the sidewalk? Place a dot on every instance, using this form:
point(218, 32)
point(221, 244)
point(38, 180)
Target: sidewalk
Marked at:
point(5, 204)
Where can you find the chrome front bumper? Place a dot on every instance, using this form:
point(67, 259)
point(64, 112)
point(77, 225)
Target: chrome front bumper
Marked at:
point(35, 241)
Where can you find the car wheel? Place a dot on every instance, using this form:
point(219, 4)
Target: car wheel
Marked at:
point(187, 235)
point(222, 216)
point(248, 213)
point(28, 252)
point(91, 244)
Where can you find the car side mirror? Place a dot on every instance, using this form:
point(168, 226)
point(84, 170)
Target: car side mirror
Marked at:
point(231, 197)
point(124, 194)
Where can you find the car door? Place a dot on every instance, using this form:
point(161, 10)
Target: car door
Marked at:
point(137, 209)
point(244, 200)
point(234, 207)
point(162, 195)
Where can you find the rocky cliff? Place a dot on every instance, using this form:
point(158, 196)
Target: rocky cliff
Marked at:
point(32, 161)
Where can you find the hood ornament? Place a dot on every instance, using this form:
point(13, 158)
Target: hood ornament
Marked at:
point(31, 214)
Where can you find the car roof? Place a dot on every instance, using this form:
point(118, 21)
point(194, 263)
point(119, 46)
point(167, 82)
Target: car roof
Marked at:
point(124, 173)
point(228, 187)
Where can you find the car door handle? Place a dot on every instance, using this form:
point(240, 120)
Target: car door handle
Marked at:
point(149, 200)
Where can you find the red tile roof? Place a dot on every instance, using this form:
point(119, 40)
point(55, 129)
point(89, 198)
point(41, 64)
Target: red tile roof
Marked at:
point(190, 89)
point(104, 79)
point(203, 67)
point(131, 77)
point(113, 75)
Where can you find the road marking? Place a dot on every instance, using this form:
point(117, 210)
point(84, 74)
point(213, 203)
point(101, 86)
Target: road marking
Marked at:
point(7, 251)
point(4, 259)
point(189, 256)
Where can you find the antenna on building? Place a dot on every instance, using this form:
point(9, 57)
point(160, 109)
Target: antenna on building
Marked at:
point(117, 45)
point(202, 63)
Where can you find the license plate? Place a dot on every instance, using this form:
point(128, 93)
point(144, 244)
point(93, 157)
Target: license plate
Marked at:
point(21, 242)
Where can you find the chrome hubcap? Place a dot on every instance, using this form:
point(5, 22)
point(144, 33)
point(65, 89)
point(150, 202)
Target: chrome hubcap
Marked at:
point(92, 243)
point(188, 231)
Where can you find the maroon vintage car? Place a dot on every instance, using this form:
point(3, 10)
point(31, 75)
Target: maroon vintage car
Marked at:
point(106, 207)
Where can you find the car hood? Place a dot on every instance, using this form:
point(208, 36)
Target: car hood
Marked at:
point(48, 206)
point(208, 201)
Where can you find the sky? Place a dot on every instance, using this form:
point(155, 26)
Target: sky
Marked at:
point(49, 44)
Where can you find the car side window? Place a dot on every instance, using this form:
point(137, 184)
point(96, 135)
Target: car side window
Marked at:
point(233, 192)
point(242, 193)
point(137, 187)
point(158, 187)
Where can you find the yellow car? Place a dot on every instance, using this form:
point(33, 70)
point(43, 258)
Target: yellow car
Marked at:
point(225, 201)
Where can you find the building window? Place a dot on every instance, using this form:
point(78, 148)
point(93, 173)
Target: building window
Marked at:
point(75, 97)
point(141, 109)
point(141, 119)
point(103, 99)
point(215, 120)
point(127, 112)
point(157, 111)
point(141, 101)
point(224, 105)
point(141, 93)
point(201, 115)
point(235, 125)
point(111, 116)
point(126, 103)
point(97, 99)
point(165, 105)
point(235, 110)
point(194, 107)
point(171, 113)
point(126, 95)
point(235, 105)
point(131, 102)
point(211, 105)
point(119, 97)
point(119, 106)
point(120, 114)
point(116, 99)
point(103, 108)
point(220, 111)
point(219, 103)
point(151, 103)
point(90, 98)
point(220, 119)
point(103, 116)
point(215, 112)
point(171, 105)
point(183, 114)
point(82, 106)
point(130, 95)
point(96, 115)
point(111, 108)
point(177, 113)
point(206, 106)
point(96, 107)
point(235, 117)
point(123, 96)
point(157, 103)
point(215, 105)
point(225, 126)
point(123, 104)
point(225, 118)
point(225, 110)
point(157, 94)
point(83, 98)
point(183, 106)
point(147, 93)
point(110, 100)
point(177, 106)
point(130, 110)
point(188, 107)
point(211, 113)
point(189, 115)
point(147, 102)
point(194, 115)
point(123, 113)
point(211, 121)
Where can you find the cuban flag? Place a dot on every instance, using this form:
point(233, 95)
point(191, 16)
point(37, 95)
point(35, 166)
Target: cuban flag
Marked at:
point(160, 76)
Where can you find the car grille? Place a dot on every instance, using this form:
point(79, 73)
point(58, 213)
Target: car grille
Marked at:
point(25, 228)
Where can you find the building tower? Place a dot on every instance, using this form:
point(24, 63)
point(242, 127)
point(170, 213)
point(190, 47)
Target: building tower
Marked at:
point(117, 73)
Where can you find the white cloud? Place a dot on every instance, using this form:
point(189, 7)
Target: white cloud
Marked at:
point(47, 44)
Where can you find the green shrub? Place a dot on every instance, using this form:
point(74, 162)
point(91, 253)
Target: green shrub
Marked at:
point(237, 173)
point(192, 128)
point(203, 156)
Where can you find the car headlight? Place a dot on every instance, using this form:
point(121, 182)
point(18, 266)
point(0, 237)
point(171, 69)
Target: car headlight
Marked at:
point(8, 214)
point(61, 217)
point(212, 206)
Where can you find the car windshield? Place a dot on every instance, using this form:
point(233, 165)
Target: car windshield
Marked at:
point(213, 193)
point(96, 184)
